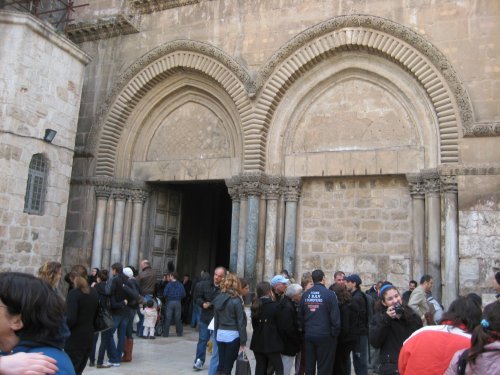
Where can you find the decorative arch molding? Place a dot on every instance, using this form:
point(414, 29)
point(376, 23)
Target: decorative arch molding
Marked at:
point(148, 71)
point(376, 35)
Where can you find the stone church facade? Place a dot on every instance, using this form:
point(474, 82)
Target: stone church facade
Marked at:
point(270, 134)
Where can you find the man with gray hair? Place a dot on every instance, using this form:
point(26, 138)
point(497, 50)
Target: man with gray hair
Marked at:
point(288, 326)
point(147, 284)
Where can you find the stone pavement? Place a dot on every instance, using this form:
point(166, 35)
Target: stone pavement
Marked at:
point(163, 356)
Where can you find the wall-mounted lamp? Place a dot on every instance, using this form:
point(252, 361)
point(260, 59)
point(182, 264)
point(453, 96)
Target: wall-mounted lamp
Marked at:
point(49, 135)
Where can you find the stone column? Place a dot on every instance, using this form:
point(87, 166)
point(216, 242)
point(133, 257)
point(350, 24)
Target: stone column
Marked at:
point(242, 232)
point(292, 193)
point(417, 193)
point(138, 199)
point(451, 255)
point(233, 188)
point(116, 243)
point(433, 203)
point(108, 232)
point(102, 193)
point(252, 186)
point(127, 225)
point(272, 189)
point(259, 267)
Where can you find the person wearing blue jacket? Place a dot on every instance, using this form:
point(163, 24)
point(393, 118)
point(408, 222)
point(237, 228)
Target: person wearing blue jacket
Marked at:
point(319, 318)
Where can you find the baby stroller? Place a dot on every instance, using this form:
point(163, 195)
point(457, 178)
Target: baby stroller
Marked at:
point(160, 306)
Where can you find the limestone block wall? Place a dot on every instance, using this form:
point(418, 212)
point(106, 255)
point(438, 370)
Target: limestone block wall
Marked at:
point(356, 224)
point(40, 87)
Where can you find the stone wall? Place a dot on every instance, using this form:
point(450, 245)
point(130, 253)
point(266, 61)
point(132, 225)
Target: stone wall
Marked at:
point(357, 225)
point(40, 87)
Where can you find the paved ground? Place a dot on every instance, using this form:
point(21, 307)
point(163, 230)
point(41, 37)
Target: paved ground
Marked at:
point(163, 356)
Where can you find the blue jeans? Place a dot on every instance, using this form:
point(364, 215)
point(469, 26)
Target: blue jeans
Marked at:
point(203, 337)
point(120, 327)
point(195, 317)
point(107, 345)
point(228, 352)
point(214, 360)
point(173, 313)
point(360, 356)
point(140, 324)
point(92, 351)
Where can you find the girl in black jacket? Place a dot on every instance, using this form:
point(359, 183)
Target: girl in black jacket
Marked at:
point(390, 327)
point(266, 344)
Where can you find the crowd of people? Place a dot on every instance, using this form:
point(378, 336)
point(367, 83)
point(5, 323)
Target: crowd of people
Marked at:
point(305, 328)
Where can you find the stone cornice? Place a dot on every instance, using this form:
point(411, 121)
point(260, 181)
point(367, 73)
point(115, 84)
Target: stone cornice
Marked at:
point(483, 129)
point(110, 182)
point(151, 6)
point(475, 170)
point(103, 28)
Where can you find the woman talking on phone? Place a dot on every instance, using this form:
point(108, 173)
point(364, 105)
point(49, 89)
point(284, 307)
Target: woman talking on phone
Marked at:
point(391, 325)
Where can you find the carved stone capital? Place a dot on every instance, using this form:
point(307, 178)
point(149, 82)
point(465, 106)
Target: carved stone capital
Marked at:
point(233, 188)
point(102, 191)
point(449, 184)
point(252, 183)
point(432, 182)
point(416, 185)
point(291, 188)
point(139, 196)
point(272, 187)
point(120, 194)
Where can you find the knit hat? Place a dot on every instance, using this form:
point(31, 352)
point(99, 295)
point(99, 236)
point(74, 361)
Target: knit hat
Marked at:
point(354, 279)
point(279, 279)
point(127, 271)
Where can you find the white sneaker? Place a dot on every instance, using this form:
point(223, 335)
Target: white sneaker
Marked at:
point(115, 364)
point(198, 364)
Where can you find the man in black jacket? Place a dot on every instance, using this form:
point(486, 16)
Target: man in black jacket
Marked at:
point(358, 326)
point(288, 326)
point(319, 318)
point(206, 292)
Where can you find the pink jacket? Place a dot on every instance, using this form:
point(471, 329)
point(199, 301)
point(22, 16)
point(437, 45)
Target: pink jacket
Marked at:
point(486, 363)
point(150, 315)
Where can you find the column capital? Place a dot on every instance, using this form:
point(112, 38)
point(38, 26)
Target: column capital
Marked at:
point(449, 184)
point(252, 183)
point(139, 196)
point(416, 185)
point(120, 194)
point(431, 181)
point(234, 187)
point(102, 191)
point(291, 188)
point(272, 187)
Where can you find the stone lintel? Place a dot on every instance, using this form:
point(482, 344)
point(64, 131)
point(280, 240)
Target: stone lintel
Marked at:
point(483, 129)
point(103, 28)
point(151, 6)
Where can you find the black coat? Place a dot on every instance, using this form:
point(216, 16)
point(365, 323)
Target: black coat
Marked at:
point(359, 314)
point(389, 334)
point(288, 326)
point(265, 338)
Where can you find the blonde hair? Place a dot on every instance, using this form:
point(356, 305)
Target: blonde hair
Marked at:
point(78, 277)
point(231, 284)
point(49, 272)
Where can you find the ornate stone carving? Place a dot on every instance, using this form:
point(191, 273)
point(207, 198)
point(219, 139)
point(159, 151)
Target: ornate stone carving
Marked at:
point(432, 182)
point(150, 6)
point(252, 183)
point(272, 187)
point(121, 193)
point(139, 195)
point(416, 185)
point(103, 28)
point(233, 187)
point(291, 188)
point(480, 129)
point(449, 184)
point(102, 191)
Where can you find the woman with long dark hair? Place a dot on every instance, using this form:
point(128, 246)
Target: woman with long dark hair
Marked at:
point(31, 315)
point(483, 357)
point(430, 349)
point(391, 325)
point(266, 344)
point(82, 306)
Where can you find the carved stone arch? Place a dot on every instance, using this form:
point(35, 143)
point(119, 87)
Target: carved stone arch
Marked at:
point(147, 72)
point(386, 38)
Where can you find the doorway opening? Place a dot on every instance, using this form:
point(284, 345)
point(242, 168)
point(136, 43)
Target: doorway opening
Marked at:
point(191, 227)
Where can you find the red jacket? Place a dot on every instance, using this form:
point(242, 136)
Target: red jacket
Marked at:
point(429, 350)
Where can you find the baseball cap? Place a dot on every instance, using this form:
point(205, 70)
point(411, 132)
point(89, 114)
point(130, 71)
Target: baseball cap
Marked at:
point(279, 279)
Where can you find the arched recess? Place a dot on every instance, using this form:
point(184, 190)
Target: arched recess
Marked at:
point(184, 128)
point(375, 35)
point(150, 70)
point(353, 114)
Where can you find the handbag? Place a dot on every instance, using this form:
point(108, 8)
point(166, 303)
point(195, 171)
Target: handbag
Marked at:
point(243, 365)
point(103, 319)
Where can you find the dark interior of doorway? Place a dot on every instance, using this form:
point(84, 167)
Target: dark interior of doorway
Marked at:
point(205, 229)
